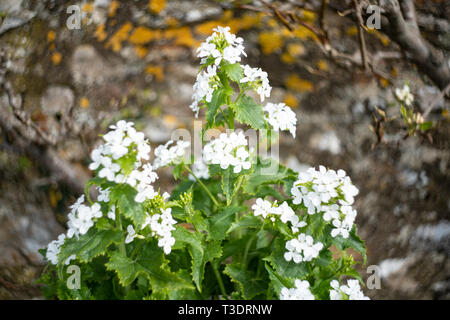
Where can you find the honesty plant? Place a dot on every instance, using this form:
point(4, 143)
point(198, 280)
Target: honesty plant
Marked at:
point(230, 229)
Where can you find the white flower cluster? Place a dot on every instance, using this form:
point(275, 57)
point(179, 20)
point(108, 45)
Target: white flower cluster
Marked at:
point(221, 45)
point(228, 150)
point(317, 189)
point(200, 169)
point(281, 117)
point(404, 95)
point(54, 248)
point(166, 155)
point(205, 84)
point(81, 217)
point(302, 248)
point(284, 212)
point(120, 142)
point(351, 291)
point(301, 291)
point(258, 80)
point(161, 225)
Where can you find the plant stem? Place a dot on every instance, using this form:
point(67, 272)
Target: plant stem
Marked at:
point(219, 279)
point(203, 186)
point(122, 248)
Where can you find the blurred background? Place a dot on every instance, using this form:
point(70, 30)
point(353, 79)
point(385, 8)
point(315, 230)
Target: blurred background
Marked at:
point(68, 69)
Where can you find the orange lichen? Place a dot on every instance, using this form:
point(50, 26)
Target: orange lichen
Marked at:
point(140, 51)
point(56, 58)
point(156, 71)
point(51, 35)
point(156, 6)
point(88, 7)
point(291, 100)
point(297, 84)
point(100, 33)
point(113, 6)
point(141, 35)
point(270, 42)
point(115, 42)
point(84, 102)
point(322, 65)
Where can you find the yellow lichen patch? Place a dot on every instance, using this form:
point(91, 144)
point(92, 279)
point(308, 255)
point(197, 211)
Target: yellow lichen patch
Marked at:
point(141, 35)
point(52, 46)
point(84, 102)
point(54, 197)
point(170, 120)
point(384, 39)
point(100, 33)
point(270, 41)
point(156, 6)
point(295, 49)
point(303, 33)
point(351, 31)
point(51, 35)
point(287, 58)
point(88, 7)
point(297, 84)
point(322, 65)
point(290, 100)
point(384, 82)
point(156, 71)
point(56, 58)
point(207, 27)
point(171, 22)
point(183, 37)
point(309, 16)
point(140, 51)
point(115, 42)
point(113, 6)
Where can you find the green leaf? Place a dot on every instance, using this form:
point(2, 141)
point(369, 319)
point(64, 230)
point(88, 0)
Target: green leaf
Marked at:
point(233, 71)
point(218, 98)
point(426, 126)
point(229, 180)
point(247, 221)
point(277, 281)
point(221, 222)
point(284, 268)
point(200, 251)
point(353, 241)
point(90, 245)
point(149, 262)
point(249, 284)
point(124, 194)
point(249, 112)
point(269, 172)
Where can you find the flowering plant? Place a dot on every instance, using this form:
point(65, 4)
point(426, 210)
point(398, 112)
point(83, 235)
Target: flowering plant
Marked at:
point(230, 229)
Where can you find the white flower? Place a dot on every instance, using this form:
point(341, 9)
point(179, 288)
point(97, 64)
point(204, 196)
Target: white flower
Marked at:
point(262, 208)
point(104, 195)
point(301, 291)
point(173, 155)
point(200, 170)
point(161, 225)
point(204, 86)
point(112, 212)
point(228, 150)
point(404, 95)
point(258, 80)
point(302, 248)
point(221, 45)
point(131, 234)
point(281, 117)
point(54, 248)
point(350, 291)
point(81, 218)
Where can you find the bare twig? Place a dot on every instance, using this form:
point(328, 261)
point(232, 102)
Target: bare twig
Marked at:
point(362, 42)
point(436, 100)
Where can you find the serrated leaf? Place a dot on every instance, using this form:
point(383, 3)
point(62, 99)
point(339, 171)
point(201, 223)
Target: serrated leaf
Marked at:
point(249, 112)
point(264, 176)
point(90, 245)
point(249, 284)
point(149, 261)
point(221, 222)
point(286, 269)
point(124, 194)
point(277, 281)
point(353, 241)
point(247, 221)
point(233, 71)
point(218, 99)
point(200, 251)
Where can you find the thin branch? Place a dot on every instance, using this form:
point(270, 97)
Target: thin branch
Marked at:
point(436, 100)
point(362, 42)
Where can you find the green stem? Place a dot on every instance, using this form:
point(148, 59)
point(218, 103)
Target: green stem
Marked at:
point(230, 114)
point(247, 249)
point(203, 186)
point(219, 279)
point(122, 248)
